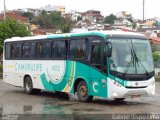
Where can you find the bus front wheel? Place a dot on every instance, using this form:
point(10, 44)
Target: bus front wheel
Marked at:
point(82, 92)
point(119, 99)
point(28, 86)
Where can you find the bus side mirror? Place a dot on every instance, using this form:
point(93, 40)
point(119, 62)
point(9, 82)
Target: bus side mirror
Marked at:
point(108, 49)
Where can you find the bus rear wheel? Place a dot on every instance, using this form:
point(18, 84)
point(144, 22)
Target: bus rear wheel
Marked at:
point(28, 86)
point(82, 92)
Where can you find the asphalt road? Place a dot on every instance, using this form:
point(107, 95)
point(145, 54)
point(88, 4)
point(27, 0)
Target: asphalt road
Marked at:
point(14, 103)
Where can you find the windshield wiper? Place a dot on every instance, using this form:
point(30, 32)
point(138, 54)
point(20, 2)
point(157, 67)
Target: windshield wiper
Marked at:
point(138, 61)
point(135, 60)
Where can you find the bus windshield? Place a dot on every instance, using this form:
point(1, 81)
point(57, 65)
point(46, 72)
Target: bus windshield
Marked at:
point(131, 56)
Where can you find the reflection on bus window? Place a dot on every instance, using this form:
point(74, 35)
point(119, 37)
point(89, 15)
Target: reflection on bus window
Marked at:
point(59, 49)
point(15, 50)
point(28, 50)
point(78, 48)
point(43, 50)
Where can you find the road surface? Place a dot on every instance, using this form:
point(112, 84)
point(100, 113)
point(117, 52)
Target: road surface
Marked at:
point(14, 103)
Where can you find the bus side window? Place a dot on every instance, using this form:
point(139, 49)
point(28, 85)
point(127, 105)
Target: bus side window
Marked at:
point(28, 50)
point(18, 50)
point(78, 49)
point(15, 50)
point(7, 51)
point(43, 50)
point(59, 49)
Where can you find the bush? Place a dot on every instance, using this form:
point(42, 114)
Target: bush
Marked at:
point(156, 56)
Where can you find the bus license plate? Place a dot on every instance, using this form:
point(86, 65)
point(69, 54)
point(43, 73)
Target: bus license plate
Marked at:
point(136, 96)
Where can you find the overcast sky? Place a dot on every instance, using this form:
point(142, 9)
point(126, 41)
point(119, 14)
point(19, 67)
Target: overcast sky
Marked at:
point(106, 6)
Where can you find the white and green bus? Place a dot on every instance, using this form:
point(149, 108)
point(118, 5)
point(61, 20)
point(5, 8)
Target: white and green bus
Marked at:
point(105, 64)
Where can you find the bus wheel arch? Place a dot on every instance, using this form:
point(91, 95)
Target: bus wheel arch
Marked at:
point(28, 86)
point(76, 83)
point(81, 87)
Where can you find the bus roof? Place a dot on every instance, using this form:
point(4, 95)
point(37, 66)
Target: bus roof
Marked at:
point(100, 33)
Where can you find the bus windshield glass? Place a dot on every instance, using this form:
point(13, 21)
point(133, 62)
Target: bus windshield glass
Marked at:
point(131, 56)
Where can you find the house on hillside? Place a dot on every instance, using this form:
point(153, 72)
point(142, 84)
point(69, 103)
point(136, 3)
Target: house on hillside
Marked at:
point(15, 16)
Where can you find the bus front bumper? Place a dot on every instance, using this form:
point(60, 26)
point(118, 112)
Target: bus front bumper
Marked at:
point(119, 91)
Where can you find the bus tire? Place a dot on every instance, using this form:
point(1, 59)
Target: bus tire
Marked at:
point(82, 92)
point(36, 91)
point(119, 99)
point(28, 86)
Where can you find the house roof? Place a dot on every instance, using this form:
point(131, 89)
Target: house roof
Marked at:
point(15, 16)
point(155, 40)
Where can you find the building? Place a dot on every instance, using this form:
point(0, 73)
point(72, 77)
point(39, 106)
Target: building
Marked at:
point(93, 16)
point(123, 14)
point(51, 8)
point(74, 15)
point(61, 9)
point(15, 16)
point(67, 16)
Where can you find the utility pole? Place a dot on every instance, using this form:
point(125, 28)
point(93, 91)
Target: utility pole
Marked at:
point(143, 9)
point(4, 11)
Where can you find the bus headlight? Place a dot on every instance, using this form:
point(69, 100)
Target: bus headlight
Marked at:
point(115, 94)
point(117, 84)
point(153, 92)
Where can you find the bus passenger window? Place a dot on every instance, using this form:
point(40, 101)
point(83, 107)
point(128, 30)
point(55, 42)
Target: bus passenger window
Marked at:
point(7, 51)
point(59, 50)
point(15, 50)
point(43, 50)
point(78, 48)
point(27, 50)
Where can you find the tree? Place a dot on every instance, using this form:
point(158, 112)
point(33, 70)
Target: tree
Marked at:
point(130, 19)
point(110, 19)
point(155, 24)
point(56, 19)
point(134, 25)
point(28, 14)
point(65, 26)
point(79, 18)
point(53, 20)
point(11, 28)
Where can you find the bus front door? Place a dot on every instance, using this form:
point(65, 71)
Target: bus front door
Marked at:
point(97, 75)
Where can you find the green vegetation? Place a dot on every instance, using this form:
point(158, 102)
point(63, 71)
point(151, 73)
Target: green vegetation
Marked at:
point(11, 28)
point(28, 14)
point(156, 56)
point(130, 19)
point(53, 20)
point(110, 19)
point(155, 24)
point(134, 25)
point(65, 27)
point(79, 18)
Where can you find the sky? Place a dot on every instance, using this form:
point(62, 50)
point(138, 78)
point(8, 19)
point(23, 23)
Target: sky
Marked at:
point(107, 7)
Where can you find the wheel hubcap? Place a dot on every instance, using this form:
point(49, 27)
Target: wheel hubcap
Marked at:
point(28, 85)
point(83, 91)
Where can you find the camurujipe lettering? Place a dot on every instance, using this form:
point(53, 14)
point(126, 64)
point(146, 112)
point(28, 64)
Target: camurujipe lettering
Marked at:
point(28, 67)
